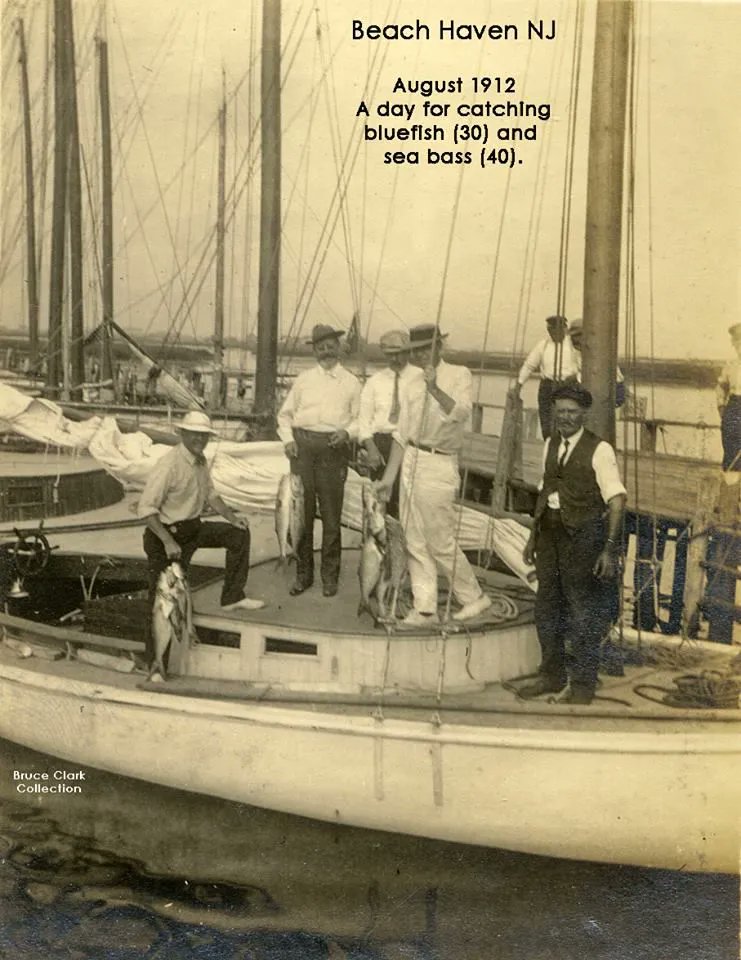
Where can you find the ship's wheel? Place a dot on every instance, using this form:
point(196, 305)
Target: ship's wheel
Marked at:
point(30, 553)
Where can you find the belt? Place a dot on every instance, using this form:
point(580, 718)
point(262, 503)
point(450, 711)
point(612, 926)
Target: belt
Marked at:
point(313, 434)
point(426, 449)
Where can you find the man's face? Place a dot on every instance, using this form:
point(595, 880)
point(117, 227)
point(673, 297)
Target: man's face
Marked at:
point(397, 361)
point(569, 417)
point(576, 340)
point(557, 331)
point(327, 352)
point(194, 441)
point(425, 356)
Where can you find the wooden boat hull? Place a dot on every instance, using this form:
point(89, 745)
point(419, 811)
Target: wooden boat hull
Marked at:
point(661, 793)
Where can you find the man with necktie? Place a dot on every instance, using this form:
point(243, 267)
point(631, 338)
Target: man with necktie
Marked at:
point(315, 423)
point(435, 408)
point(380, 404)
point(575, 545)
point(175, 495)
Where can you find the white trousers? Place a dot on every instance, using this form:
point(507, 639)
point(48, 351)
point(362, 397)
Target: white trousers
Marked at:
point(429, 483)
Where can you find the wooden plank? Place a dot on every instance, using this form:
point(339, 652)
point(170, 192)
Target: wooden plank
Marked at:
point(43, 631)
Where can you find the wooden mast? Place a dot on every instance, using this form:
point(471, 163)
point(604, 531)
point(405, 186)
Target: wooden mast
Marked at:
point(31, 252)
point(107, 214)
point(218, 352)
point(270, 201)
point(605, 209)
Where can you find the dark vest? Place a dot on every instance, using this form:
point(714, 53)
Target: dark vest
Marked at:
point(576, 483)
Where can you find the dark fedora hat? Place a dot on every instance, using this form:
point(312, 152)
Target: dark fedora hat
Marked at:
point(323, 331)
point(557, 320)
point(424, 335)
point(573, 391)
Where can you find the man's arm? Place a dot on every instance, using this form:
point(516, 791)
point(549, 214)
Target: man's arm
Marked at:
point(227, 512)
point(285, 422)
point(532, 363)
point(172, 547)
point(384, 485)
point(458, 404)
point(607, 564)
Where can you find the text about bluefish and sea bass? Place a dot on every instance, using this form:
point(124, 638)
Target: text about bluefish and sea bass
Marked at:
point(481, 119)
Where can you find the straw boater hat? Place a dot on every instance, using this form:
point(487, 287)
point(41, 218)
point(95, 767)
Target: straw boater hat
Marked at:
point(196, 421)
point(575, 327)
point(424, 335)
point(394, 341)
point(573, 391)
point(323, 331)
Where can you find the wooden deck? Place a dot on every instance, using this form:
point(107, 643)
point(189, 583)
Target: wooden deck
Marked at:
point(660, 484)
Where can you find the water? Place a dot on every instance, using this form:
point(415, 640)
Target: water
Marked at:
point(127, 869)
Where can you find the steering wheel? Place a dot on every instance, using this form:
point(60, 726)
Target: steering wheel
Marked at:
point(30, 553)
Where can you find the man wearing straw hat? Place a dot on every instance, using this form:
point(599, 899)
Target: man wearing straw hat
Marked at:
point(380, 405)
point(434, 411)
point(317, 420)
point(174, 497)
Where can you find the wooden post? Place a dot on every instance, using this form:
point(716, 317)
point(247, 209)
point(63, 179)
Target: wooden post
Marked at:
point(694, 583)
point(507, 451)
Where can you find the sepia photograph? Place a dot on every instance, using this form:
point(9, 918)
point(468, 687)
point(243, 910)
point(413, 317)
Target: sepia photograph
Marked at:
point(370, 461)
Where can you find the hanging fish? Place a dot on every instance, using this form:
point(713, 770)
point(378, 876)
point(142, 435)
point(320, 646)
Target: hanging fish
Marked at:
point(289, 516)
point(171, 621)
point(394, 570)
point(372, 551)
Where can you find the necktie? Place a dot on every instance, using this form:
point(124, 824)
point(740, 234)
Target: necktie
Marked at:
point(394, 415)
point(562, 458)
point(199, 459)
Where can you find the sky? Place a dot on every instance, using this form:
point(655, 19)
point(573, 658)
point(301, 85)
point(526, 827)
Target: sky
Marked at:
point(476, 249)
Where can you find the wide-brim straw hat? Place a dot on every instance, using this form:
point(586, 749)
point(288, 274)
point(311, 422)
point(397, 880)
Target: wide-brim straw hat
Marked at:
point(322, 331)
point(196, 421)
point(394, 341)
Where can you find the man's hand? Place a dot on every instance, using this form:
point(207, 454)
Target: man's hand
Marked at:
point(172, 549)
point(373, 456)
point(337, 438)
point(382, 489)
point(606, 565)
point(237, 521)
point(528, 554)
point(515, 389)
point(291, 449)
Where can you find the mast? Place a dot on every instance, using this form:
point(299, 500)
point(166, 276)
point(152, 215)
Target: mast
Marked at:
point(74, 199)
point(107, 217)
point(267, 310)
point(604, 210)
point(33, 288)
point(59, 206)
point(218, 361)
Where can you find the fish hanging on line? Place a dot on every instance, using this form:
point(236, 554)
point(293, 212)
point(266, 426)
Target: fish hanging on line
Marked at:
point(289, 516)
point(382, 559)
point(172, 622)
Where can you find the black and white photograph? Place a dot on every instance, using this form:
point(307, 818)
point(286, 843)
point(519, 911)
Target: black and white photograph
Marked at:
point(370, 480)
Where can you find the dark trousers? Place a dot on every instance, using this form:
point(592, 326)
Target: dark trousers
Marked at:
point(190, 535)
point(730, 431)
point(384, 442)
point(545, 407)
point(323, 470)
point(572, 607)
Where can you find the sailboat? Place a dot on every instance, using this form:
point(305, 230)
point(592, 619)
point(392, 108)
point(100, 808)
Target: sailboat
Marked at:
point(308, 709)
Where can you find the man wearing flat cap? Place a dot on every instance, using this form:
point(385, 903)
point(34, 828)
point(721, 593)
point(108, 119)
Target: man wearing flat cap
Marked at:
point(553, 359)
point(174, 497)
point(575, 545)
point(380, 405)
point(728, 398)
point(315, 423)
point(435, 408)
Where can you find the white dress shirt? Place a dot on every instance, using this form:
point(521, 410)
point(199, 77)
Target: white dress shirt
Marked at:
point(377, 398)
point(542, 360)
point(604, 464)
point(321, 400)
point(177, 488)
point(421, 418)
point(729, 382)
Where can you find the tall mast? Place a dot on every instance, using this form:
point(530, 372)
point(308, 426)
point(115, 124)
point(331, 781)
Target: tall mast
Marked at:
point(74, 199)
point(59, 205)
point(31, 253)
point(107, 217)
point(267, 310)
point(218, 361)
point(604, 210)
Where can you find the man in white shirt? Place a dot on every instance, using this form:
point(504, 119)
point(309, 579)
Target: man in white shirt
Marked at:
point(575, 545)
point(728, 398)
point(435, 408)
point(380, 405)
point(317, 420)
point(553, 359)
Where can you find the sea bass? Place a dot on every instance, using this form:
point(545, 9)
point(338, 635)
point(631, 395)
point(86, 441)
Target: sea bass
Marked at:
point(373, 549)
point(289, 515)
point(171, 621)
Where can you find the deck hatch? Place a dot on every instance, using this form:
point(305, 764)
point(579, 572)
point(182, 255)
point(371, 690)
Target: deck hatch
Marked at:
point(296, 647)
point(218, 638)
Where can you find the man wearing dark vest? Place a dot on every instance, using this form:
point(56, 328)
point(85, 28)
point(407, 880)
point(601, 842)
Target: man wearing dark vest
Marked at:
point(575, 545)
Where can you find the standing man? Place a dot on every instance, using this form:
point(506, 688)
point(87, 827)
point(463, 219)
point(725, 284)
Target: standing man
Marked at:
point(380, 405)
point(575, 335)
point(728, 398)
point(575, 545)
point(315, 423)
point(174, 497)
point(434, 410)
point(553, 359)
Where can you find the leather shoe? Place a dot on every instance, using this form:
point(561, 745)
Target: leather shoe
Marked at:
point(538, 687)
point(329, 589)
point(298, 588)
point(578, 697)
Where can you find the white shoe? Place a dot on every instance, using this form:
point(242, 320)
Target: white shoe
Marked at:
point(415, 618)
point(473, 609)
point(246, 603)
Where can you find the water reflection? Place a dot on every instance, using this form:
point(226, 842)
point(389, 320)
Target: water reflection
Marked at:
point(127, 869)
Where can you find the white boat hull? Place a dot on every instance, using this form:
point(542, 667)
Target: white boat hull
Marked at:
point(604, 790)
